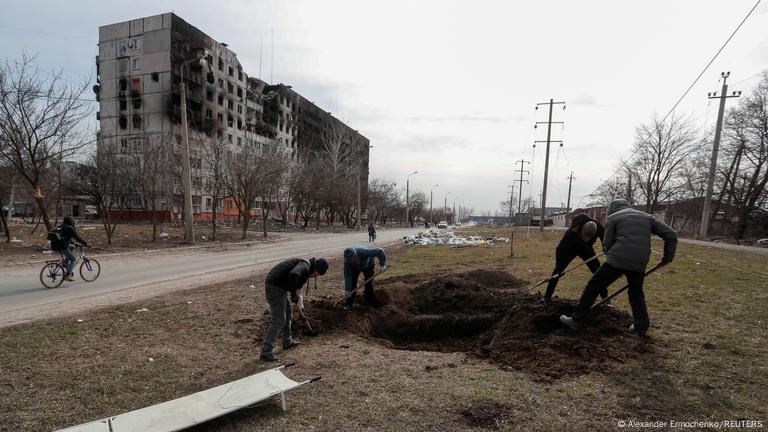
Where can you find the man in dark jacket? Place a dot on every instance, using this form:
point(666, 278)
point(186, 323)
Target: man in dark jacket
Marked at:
point(66, 232)
point(288, 276)
point(576, 242)
point(371, 232)
point(628, 249)
point(361, 260)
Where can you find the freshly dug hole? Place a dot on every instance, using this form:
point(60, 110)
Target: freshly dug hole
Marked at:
point(489, 314)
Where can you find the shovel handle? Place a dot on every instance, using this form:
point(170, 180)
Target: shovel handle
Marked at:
point(567, 271)
point(626, 286)
point(361, 284)
point(304, 317)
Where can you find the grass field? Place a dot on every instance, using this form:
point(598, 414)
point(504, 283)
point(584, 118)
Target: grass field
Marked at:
point(709, 361)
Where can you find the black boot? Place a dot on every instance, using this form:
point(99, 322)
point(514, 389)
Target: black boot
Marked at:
point(291, 343)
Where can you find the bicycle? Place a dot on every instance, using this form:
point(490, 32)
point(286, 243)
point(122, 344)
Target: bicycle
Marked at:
point(53, 272)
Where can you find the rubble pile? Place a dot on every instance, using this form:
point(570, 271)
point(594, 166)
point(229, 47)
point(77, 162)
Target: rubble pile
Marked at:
point(449, 238)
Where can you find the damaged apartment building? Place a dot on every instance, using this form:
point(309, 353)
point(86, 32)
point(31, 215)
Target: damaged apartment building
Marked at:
point(139, 71)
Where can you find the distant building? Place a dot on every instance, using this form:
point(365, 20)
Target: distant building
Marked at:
point(490, 220)
point(535, 214)
point(557, 219)
point(139, 71)
point(598, 213)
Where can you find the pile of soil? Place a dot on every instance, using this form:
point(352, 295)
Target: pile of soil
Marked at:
point(489, 314)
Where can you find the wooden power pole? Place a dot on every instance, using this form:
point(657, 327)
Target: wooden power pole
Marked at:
point(570, 183)
point(705, 214)
point(549, 123)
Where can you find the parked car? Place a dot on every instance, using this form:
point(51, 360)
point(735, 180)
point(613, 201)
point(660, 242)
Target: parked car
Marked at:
point(457, 224)
point(91, 212)
point(442, 225)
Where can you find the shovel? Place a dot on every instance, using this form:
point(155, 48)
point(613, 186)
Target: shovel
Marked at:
point(625, 287)
point(360, 285)
point(566, 271)
point(303, 316)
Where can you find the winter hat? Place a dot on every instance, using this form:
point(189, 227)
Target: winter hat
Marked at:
point(321, 265)
point(349, 254)
point(589, 229)
point(69, 221)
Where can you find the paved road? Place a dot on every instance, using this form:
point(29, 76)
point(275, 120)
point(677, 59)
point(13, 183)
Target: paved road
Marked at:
point(135, 276)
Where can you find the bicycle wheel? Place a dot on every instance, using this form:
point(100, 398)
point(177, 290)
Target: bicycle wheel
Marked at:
point(90, 270)
point(52, 275)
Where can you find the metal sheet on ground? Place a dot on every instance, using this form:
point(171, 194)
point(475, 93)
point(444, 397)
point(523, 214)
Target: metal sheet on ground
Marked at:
point(188, 411)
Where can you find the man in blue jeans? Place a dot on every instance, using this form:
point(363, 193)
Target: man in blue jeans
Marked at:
point(358, 260)
point(62, 242)
point(287, 277)
point(628, 248)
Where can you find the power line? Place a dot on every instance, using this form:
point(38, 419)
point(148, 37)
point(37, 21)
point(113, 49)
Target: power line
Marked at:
point(624, 163)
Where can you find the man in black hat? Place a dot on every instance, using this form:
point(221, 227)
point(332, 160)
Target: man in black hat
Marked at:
point(358, 260)
point(288, 276)
point(578, 241)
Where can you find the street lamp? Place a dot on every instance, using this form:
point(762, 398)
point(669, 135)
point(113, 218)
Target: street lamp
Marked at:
point(407, 186)
point(445, 207)
point(431, 219)
point(359, 174)
point(189, 229)
point(453, 215)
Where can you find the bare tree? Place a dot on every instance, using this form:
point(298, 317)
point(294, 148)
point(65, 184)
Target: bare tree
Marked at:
point(102, 183)
point(214, 175)
point(39, 123)
point(272, 164)
point(336, 159)
point(417, 202)
point(383, 200)
point(746, 138)
point(6, 185)
point(661, 149)
point(147, 169)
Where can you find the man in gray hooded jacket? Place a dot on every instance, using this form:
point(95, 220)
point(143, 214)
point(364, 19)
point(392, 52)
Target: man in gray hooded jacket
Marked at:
point(627, 245)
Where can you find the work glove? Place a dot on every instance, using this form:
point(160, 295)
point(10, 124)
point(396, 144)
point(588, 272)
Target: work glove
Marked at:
point(301, 302)
point(383, 268)
point(294, 297)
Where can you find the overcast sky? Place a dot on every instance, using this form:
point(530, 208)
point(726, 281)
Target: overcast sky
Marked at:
point(448, 88)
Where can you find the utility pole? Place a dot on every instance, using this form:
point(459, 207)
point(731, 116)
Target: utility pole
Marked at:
point(522, 171)
point(629, 187)
point(570, 182)
point(715, 147)
point(431, 218)
point(549, 123)
point(407, 187)
point(511, 197)
point(189, 229)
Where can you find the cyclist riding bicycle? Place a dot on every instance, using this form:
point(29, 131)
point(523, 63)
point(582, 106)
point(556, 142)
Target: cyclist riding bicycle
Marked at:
point(62, 241)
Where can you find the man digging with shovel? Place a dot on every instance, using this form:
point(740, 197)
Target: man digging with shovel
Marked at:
point(361, 260)
point(576, 242)
point(628, 247)
point(288, 276)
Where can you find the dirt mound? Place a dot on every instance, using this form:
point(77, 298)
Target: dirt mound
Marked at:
point(489, 314)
